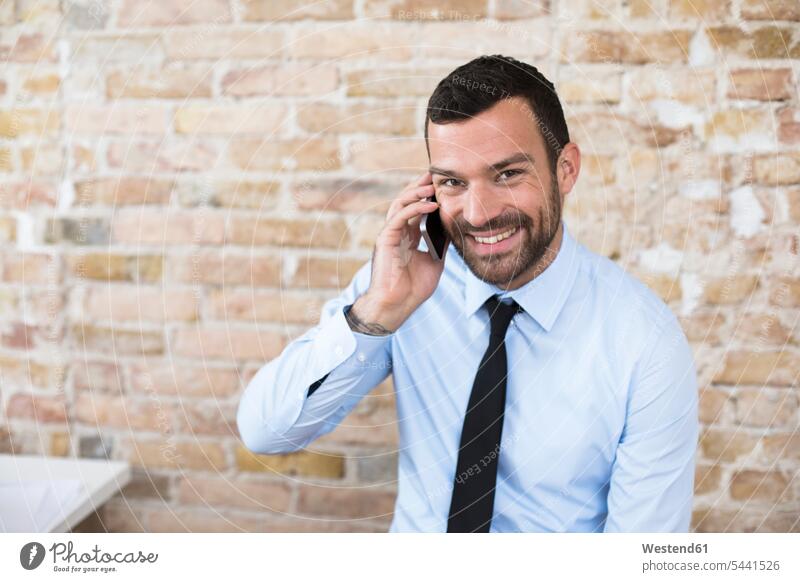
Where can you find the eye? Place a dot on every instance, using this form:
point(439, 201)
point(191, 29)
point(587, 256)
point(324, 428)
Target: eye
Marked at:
point(506, 174)
point(447, 182)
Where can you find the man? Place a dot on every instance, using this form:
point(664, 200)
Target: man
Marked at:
point(538, 386)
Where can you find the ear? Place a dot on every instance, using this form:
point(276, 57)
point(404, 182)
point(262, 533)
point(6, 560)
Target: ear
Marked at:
point(568, 167)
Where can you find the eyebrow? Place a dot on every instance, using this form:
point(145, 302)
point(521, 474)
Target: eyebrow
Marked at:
point(513, 159)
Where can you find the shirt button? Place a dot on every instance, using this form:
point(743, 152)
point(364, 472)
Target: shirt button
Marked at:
point(361, 357)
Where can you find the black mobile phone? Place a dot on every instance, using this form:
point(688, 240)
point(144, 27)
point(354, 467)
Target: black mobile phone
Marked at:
point(433, 232)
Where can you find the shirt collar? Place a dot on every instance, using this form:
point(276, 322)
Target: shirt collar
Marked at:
point(543, 297)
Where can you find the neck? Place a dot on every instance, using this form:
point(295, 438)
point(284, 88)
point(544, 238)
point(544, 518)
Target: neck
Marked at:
point(539, 267)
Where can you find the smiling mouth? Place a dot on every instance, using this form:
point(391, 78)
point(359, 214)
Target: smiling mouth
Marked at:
point(496, 238)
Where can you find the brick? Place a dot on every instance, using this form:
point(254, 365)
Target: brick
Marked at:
point(385, 154)
point(276, 306)
point(707, 478)
point(757, 329)
point(139, 303)
point(513, 9)
point(106, 411)
point(346, 502)
point(342, 195)
point(250, 232)
point(227, 343)
point(417, 10)
point(633, 48)
point(27, 194)
point(616, 134)
point(280, 80)
point(230, 119)
point(714, 405)
point(79, 230)
point(43, 159)
point(730, 290)
point(147, 485)
point(690, 85)
point(302, 463)
point(116, 48)
point(207, 418)
point(60, 444)
point(319, 272)
point(185, 380)
point(117, 341)
point(740, 129)
point(42, 409)
point(358, 118)
point(23, 373)
point(777, 169)
point(171, 82)
point(23, 121)
point(770, 10)
point(288, 10)
point(789, 125)
point(393, 82)
point(104, 120)
point(781, 446)
point(760, 84)
point(123, 191)
point(585, 88)
point(255, 155)
point(175, 12)
point(152, 227)
point(727, 445)
point(785, 292)
point(6, 163)
point(261, 195)
point(168, 454)
point(354, 40)
point(42, 83)
point(769, 42)
point(97, 377)
point(184, 154)
point(767, 486)
point(703, 10)
point(30, 268)
point(742, 520)
point(218, 268)
point(228, 43)
point(96, 447)
point(776, 368)
point(8, 229)
point(115, 267)
point(28, 48)
point(766, 408)
point(237, 492)
point(23, 336)
point(378, 467)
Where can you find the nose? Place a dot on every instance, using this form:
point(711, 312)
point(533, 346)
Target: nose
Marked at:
point(481, 205)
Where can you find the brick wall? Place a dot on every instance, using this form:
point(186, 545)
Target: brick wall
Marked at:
point(185, 182)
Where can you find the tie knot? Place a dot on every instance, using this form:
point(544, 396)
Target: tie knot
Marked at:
point(500, 315)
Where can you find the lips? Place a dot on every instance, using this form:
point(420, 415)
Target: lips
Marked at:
point(503, 241)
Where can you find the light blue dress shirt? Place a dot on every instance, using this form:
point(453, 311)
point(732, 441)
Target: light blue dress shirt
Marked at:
point(601, 422)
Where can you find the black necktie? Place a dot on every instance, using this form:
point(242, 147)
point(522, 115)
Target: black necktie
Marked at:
point(476, 470)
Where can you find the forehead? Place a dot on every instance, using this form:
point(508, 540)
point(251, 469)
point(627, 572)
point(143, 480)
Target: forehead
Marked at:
point(506, 128)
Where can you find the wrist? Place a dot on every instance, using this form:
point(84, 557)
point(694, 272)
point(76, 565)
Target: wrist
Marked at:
point(371, 317)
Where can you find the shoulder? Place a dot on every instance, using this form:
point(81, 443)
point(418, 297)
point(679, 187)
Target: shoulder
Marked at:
point(636, 317)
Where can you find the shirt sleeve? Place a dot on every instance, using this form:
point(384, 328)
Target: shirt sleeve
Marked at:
point(652, 478)
point(276, 412)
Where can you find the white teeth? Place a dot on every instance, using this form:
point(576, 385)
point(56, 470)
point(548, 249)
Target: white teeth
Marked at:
point(496, 238)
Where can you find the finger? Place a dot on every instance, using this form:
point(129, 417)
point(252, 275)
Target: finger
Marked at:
point(409, 197)
point(426, 178)
point(394, 228)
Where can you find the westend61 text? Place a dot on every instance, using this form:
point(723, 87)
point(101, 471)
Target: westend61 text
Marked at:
point(670, 549)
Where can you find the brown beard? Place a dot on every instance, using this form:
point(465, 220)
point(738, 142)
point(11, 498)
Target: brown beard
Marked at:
point(502, 269)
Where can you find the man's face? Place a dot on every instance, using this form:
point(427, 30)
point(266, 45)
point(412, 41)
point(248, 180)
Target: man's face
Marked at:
point(492, 177)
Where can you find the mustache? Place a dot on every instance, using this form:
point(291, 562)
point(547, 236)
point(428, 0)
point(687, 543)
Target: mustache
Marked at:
point(520, 220)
